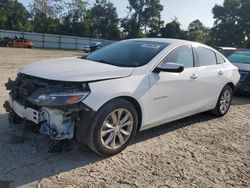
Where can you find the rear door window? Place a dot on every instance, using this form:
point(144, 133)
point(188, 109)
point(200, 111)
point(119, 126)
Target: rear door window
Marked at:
point(205, 57)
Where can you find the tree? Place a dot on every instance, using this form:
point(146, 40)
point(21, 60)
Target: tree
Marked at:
point(73, 19)
point(129, 25)
point(144, 16)
point(102, 20)
point(171, 30)
point(13, 16)
point(152, 17)
point(44, 14)
point(198, 32)
point(232, 23)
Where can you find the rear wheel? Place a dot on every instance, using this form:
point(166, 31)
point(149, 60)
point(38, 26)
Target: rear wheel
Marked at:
point(113, 127)
point(224, 101)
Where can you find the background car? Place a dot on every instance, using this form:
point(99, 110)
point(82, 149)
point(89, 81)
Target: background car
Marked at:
point(5, 42)
point(95, 46)
point(240, 58)
point(226, 51)
point(16, 42)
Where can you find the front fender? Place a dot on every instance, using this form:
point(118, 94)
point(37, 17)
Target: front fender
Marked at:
point(136, 87)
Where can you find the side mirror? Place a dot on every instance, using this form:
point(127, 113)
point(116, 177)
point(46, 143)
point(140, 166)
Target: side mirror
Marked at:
point(169, 67)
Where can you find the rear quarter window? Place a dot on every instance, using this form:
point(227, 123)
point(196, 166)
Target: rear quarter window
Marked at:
point(220, 59)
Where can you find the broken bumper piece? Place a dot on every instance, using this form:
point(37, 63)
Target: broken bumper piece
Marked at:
point(24, 113)
point(53, 105)
point(58, 124)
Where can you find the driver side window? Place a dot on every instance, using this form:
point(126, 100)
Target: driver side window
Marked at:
point(182, 55)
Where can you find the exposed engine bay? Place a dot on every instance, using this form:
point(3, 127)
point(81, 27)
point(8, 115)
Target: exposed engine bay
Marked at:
point(53, 106)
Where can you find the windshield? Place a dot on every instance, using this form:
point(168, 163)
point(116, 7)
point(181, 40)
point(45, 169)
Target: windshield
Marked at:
point(127, 53)
point(240, 57)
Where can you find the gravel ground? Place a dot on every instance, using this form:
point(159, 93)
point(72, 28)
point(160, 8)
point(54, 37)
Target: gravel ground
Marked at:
point(199, 151)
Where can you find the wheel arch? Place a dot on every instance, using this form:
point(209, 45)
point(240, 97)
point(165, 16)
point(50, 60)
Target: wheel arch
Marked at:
point(135, 103)
point(230, 84)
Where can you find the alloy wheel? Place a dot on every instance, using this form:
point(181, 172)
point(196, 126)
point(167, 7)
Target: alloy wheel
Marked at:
point(117, 128)
point(225, 101)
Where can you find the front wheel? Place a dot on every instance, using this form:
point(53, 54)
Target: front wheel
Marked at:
point(224, 101)
point(113, 128)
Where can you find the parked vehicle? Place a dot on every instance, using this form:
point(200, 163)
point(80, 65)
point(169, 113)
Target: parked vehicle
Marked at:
point(226, 51)
point(105, 98)
point(16, 42)
point(21, 43)
point(95, 46)
point(5, 42)
point(241, 59)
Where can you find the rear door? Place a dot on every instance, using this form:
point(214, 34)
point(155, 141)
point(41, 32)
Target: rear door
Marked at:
point(211, 71)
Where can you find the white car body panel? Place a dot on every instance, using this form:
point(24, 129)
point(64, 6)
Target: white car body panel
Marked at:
point(27, 113)
point(74, 69)
point(166, 95)
point(136, 87)
point(163, 97)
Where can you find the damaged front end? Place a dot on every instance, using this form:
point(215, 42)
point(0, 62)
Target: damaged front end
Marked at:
point(53, 105)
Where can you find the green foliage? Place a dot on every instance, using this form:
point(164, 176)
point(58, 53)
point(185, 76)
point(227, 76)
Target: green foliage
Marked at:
point(44, 15)
point(144, 16)
point(102, 20)
point(73, 19)
point(171, 30)
point(13, 16)
point(232, 23)
point(198, 32)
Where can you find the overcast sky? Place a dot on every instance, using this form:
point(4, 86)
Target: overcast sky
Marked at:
point(185, 10)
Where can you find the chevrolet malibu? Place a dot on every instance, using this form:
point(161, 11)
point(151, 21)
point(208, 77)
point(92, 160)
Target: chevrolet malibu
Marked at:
point(103, 99)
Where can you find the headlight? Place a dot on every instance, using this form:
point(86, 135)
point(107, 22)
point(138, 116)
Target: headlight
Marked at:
point(45, 97)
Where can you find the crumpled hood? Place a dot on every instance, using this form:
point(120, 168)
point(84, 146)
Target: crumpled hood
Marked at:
point(242, 66)
point(75, 70)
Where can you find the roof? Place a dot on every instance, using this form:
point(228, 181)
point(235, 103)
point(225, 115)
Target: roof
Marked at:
point(163, 40)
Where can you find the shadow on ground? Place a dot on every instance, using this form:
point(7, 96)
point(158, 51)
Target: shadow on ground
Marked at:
point(23, 161)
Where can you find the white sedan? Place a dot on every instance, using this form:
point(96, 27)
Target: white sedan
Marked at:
point(105, 98)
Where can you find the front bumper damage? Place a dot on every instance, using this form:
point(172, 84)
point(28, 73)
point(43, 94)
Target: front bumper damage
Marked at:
point(58, 122)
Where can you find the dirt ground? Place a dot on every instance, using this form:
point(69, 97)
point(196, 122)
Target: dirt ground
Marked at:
point(199, 151)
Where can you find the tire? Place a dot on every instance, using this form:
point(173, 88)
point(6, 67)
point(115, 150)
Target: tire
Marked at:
point(224, 102)
point(108, 137)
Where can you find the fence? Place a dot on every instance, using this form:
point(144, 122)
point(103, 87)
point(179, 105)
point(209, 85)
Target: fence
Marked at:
point(41, 40)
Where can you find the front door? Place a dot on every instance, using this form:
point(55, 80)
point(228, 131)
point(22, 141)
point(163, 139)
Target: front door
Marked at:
point(174, 95)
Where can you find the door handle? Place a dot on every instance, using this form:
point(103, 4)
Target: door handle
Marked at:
point(220, 73)
point(194, 77)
